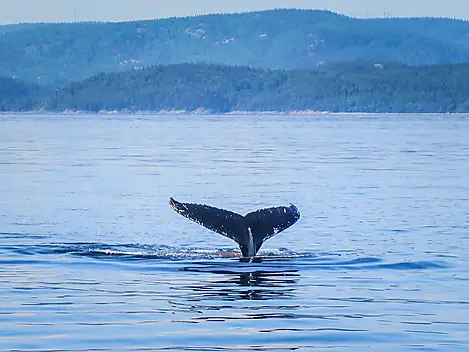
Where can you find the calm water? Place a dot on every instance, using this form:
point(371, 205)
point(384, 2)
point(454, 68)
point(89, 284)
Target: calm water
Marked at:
point(93, 259)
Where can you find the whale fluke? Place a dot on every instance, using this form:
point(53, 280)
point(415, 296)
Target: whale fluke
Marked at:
point(249, 231)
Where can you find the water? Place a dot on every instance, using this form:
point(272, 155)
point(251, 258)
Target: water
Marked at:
point(93, 259)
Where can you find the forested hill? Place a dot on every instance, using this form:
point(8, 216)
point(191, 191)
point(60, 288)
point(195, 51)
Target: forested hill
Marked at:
point(358, 87)
point(55, 54)
point(17, 95)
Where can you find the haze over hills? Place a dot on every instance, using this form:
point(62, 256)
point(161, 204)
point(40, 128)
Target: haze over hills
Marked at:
point(56, 54)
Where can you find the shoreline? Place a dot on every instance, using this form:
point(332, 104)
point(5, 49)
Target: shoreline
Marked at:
point(201, 112)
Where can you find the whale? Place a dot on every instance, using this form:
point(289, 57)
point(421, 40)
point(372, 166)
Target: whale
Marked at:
point(249, 231)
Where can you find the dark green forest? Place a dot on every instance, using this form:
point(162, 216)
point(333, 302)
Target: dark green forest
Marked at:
point(55, 54)
point(346, 87)
point(16, 95)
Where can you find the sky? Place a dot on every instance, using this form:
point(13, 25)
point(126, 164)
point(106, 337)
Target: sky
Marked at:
point(17, 11)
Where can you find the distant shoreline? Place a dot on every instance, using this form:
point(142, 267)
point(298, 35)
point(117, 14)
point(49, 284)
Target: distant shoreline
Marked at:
point(201, 112)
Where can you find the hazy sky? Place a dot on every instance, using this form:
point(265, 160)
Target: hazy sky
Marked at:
point(14, 11)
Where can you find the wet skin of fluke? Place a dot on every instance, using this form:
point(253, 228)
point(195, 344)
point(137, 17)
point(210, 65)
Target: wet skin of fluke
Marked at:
point(248, 231)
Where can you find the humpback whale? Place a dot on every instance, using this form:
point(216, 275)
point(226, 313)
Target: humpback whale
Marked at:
point(249, 231)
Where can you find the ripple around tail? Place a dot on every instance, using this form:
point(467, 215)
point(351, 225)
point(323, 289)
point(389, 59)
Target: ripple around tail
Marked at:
point(141, 251)
point(274, 257)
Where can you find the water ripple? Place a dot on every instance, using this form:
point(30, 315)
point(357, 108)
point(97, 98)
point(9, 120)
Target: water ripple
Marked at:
point(266, 258)
point(93, 259)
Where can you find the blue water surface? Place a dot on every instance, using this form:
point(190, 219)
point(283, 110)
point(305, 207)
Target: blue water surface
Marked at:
point(93, 259)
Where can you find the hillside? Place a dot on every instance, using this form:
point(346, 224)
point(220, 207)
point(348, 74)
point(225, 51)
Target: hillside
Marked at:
point(16, 95)
point(357, 87)
point(56, 54)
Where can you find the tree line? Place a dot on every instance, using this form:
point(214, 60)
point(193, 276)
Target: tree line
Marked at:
point(346, 87)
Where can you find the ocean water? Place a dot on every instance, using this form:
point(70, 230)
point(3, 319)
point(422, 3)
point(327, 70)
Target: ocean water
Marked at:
point(93, 259)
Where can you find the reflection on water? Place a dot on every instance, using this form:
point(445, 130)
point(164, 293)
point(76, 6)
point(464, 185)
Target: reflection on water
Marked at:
point(228, 289)
point(251, 285)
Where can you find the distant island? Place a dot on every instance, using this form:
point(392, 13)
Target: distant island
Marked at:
point(346, 87)
point(277, 60)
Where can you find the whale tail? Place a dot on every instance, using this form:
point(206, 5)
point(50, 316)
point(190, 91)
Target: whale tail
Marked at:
point(249, 231)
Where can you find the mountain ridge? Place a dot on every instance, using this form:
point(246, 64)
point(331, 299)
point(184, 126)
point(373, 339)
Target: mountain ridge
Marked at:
point(60, 53)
